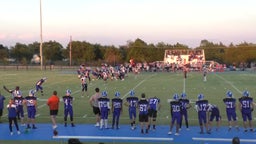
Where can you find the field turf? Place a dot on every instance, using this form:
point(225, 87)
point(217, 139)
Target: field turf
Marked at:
point(160, 84)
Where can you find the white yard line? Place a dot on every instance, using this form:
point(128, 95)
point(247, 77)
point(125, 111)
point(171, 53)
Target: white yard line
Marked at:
point(138, 85)
point(41, 106)
point(228, 82)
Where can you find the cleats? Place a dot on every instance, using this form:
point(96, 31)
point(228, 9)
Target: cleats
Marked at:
point(177, 134)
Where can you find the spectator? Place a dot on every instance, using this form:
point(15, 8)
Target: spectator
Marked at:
point(236, 140)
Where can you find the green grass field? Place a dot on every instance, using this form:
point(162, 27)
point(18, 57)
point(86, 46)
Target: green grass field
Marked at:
point(160, 84)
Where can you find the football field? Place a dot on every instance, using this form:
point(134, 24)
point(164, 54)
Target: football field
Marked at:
point(160, 84)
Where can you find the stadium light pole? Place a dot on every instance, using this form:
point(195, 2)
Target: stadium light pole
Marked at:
point(70, 51)
point(41, 37)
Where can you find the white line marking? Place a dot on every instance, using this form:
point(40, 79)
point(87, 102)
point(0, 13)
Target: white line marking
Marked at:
point(114, 138)
point(228, 82)
point(85, 116)
point(41, 106)
point(222, 139)
point(138, 85)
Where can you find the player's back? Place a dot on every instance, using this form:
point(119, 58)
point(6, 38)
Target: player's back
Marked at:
point(175, 107)
point(202, 105)
point(230, 103)
point(132, 101)
point(30, 101)
point(246, 103)
point(18, 100)
point(143, 106)
point(213, 109)
point(117, 103)
point(103, 103)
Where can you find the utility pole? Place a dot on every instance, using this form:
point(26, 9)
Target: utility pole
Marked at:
point(41, 37)
point(70, 51)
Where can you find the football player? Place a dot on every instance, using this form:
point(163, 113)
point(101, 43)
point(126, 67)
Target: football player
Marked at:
point(31, 103)
point(185, 104)
point(204, 73)
point(154, 106)
point(175, 107)
point(68, 107)
point(117, 106)
point(14, 92)
point(39, 85)
point(18, 100)
point(230, 103)
point(213, 113)
point(246, 108)
point(84, 85)
point(104, 107)
point(201, 108)
point(143, 106)
point(132, 103)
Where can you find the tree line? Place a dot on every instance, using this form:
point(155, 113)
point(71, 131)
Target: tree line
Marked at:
point(139, 50)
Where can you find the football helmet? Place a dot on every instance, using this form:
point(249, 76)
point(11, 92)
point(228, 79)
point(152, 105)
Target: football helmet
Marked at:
point(183, 95)
point(200, 96)
point(132, 93)
point(176, 96)
point(229, 94)
point(246, 93)
point(31, 93)
point(104, 94)
point(117, 94)
point(68, 91)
